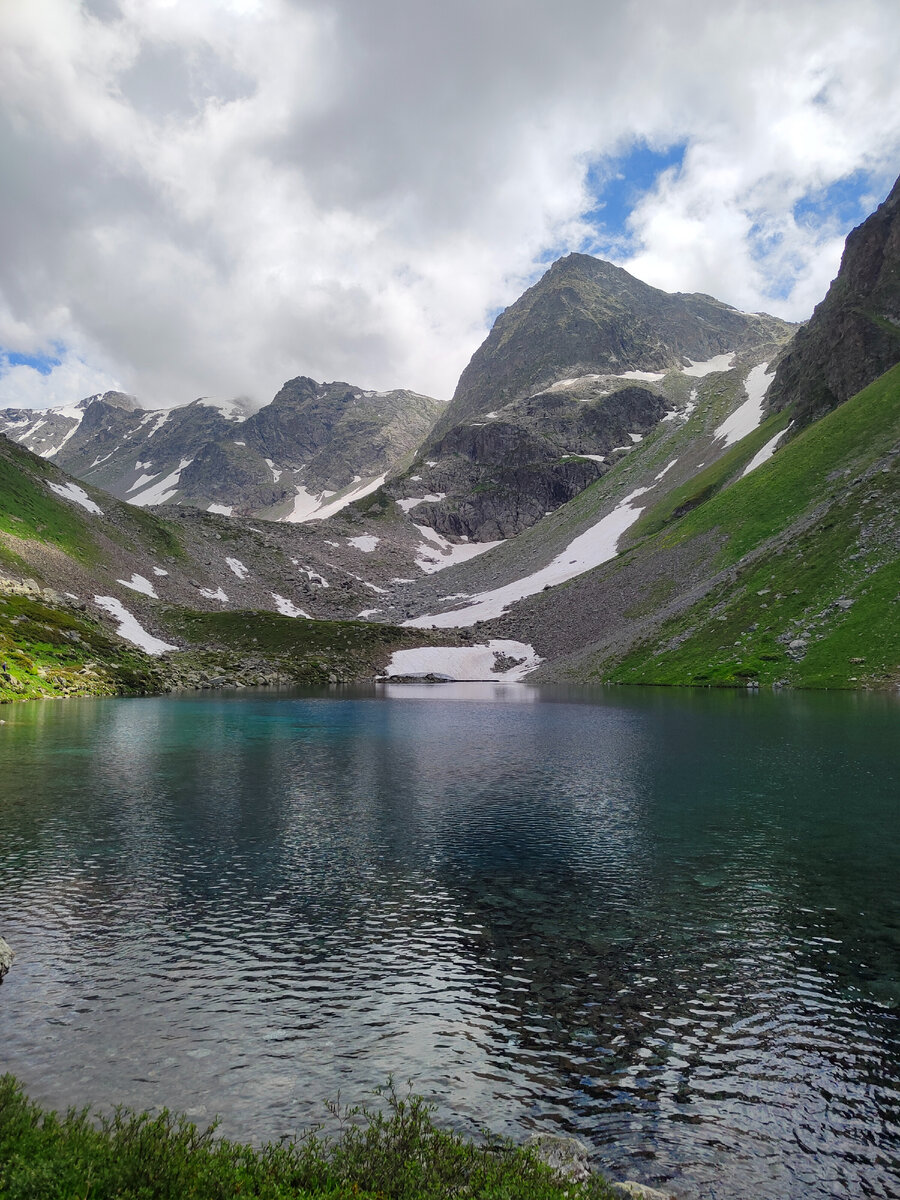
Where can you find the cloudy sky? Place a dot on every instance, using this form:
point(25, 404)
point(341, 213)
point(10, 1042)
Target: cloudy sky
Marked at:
point(208, 198)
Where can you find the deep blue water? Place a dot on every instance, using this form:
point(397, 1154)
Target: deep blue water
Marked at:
point(664, 921)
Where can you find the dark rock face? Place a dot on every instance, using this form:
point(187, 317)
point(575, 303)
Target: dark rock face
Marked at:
point(223, 470)
point(587, 316)
point(320, 436)
point(853, 336)
point(500, 476)
point(337, 431)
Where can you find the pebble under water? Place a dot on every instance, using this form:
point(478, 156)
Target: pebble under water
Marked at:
point(666, 922)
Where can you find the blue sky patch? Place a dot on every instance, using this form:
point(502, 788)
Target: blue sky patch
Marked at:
point(845, 202)
point(616, 185)
point(42, 363)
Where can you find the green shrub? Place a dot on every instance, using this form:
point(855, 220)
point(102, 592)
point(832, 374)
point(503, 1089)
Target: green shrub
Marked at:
point(395, 1154)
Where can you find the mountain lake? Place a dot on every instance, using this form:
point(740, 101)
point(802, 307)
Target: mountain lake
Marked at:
point(663, 921)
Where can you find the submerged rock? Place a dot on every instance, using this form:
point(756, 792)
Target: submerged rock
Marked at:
point(7, 954)
point(639, 1191)
point(567, 1156)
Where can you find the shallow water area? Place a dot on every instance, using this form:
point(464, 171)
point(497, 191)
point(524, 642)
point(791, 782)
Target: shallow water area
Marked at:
point(665, 921)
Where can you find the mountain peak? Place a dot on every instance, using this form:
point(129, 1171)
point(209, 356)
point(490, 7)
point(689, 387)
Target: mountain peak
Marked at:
point(586, 315)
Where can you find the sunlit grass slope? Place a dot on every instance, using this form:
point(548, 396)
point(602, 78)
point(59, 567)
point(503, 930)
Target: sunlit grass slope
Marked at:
point(812, 541)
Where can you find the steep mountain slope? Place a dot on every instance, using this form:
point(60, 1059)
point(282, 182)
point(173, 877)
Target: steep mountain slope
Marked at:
point(99, 597)
point(578, 370)
point(291, 459)
point(751, 571)
point(854, 334)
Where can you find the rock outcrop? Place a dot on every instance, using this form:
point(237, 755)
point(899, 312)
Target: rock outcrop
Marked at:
point(6, 957)
point(853, 336)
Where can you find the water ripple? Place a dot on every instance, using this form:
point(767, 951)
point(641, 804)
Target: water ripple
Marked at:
point(542, 915)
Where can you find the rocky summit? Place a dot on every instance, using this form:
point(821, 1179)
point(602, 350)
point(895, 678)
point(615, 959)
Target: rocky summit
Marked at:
point(570, 378)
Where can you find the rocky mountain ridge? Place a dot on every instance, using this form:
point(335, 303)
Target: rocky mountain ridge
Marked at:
point(314, 447)
point(722, 541)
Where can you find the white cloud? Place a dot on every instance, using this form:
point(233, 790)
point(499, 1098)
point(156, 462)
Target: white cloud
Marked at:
point(213, 197)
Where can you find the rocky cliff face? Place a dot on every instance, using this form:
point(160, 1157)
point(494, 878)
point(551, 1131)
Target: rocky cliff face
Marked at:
point(853, 336)
point(337, 432)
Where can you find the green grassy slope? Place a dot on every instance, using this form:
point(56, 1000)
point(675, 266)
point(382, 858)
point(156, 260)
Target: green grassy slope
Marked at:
point(31, 511)
point(812, 537)
point(49, 651)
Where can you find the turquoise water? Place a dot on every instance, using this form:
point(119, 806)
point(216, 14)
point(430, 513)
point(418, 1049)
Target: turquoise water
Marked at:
point(664, 921)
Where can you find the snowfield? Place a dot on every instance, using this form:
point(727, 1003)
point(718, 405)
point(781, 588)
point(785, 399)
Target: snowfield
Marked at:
point(71, 491)
point(595, 546)
point(308, 507)
point(162, 491)
point(287, 608)
point(130, 628)
point(468, 663)
point(138, 583)
point(747, 417)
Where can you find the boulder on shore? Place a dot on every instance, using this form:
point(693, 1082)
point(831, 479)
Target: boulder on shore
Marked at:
point(7, 954)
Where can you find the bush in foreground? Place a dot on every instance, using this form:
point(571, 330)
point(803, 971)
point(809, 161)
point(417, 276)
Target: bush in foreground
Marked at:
point(395, 1155)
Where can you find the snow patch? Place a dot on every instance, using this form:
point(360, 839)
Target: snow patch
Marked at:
point(276, 471)
point(163, 490)
point(748, 415)
point(138, 583)
point(235, 565)
point(365, 542)
point(647, 376)
point(366, 613)
point(223, 510)
point(406, 505)
point(218, 594)
point(446, 554)
point(287, 608)
point(73, 414)
point(764, 454)
point(159, 571)
point(161, 418)
point(308, 507)
point(484, 662)
point(142, 480)
point(314, 577)
point(129, 627)
point(229, 410)
point(666, 469)
point(71, 491)
point(719, 362)
point(595, 546)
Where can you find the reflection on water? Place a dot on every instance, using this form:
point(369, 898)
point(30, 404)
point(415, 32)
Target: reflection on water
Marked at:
point(664, 921)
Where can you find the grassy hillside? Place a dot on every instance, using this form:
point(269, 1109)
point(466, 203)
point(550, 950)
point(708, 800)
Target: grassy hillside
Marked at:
point(47, 651)
point(31, 511)
point(809, 562)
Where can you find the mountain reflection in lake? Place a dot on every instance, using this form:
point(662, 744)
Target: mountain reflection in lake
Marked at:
point(664, 921)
